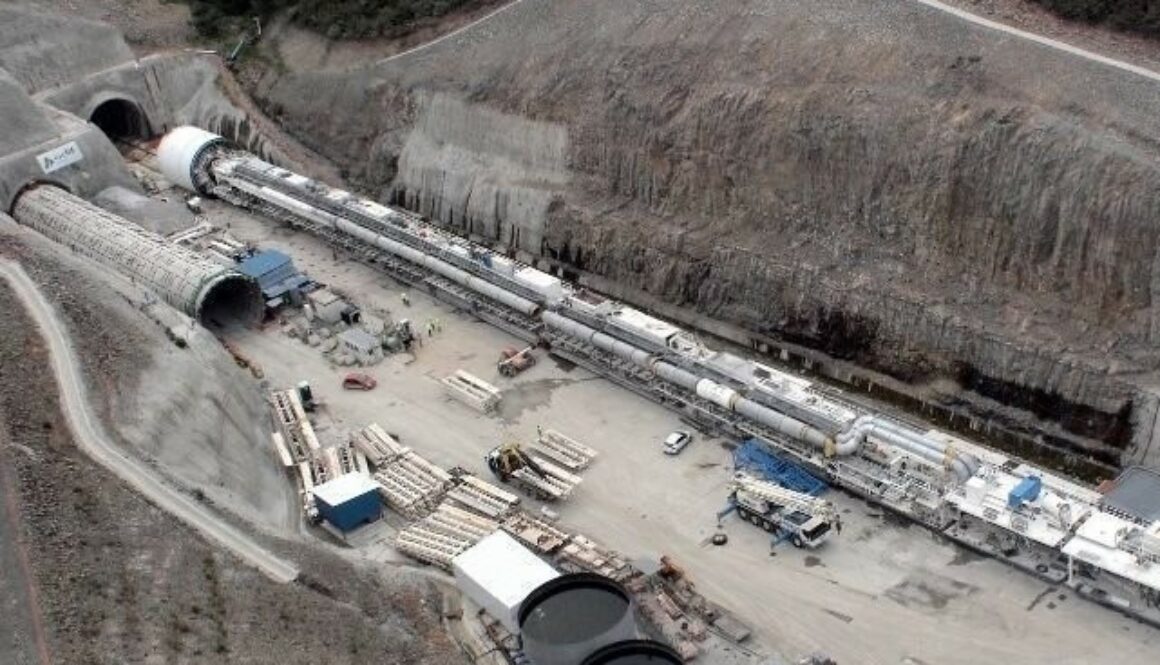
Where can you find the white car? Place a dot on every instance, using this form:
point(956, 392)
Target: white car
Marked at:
point(676, 442)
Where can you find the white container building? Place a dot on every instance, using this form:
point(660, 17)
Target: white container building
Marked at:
point(498, 573)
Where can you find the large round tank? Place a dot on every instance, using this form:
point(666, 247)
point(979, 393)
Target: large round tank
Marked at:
point(634, 652)
point(183, 154)
point(566, 620)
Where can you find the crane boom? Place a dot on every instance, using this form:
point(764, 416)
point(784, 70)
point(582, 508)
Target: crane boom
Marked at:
point(788, 499)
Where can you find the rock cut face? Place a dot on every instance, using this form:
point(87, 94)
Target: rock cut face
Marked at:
point(878, 180)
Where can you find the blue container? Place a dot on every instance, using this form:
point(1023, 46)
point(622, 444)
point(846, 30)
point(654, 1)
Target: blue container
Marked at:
point(348, 502)
point(1026, 490)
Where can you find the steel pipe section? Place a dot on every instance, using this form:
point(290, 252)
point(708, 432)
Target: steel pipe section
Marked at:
point(963, 466)
point(204, 290)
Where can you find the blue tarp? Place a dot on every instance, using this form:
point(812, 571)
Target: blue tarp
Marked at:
point(756, 457)
point(274, 271)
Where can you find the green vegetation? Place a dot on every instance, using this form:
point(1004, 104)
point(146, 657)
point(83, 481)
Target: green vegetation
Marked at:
point(1142, 16)
point(336, 19)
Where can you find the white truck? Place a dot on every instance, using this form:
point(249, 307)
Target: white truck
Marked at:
point(805, 520)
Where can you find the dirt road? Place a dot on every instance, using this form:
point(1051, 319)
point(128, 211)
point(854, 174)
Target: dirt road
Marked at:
point(1040, 39)
point(85, 428)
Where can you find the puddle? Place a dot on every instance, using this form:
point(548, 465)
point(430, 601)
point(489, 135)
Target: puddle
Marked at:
point(928, 590)
point(531, 395)
point(963, 556)
point(813, 561)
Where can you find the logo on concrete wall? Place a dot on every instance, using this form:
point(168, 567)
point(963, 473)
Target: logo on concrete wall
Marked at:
point(58, 158)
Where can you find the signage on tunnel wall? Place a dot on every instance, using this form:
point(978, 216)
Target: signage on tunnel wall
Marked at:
point(58, 158)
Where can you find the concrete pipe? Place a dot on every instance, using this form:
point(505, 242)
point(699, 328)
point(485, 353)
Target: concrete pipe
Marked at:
point(203, 289)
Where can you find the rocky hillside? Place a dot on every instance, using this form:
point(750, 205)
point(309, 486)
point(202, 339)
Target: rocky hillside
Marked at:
point(874, 179)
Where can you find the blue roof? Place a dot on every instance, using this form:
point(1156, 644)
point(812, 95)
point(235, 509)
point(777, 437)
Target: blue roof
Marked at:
point(263, 262)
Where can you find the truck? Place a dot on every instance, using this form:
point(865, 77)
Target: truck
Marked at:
point(512, 361)
point(806, 521)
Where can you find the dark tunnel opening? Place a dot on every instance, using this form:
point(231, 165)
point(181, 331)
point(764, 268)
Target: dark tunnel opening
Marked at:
point(121, 119)
point(231, 302)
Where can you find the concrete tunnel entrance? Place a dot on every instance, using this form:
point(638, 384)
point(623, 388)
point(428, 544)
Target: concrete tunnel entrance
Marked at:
point(233, 301)
point(121, 119)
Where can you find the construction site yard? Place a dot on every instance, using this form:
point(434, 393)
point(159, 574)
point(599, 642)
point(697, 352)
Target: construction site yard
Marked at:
point(939, 602)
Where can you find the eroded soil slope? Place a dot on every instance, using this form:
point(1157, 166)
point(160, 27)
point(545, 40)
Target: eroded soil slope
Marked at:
point(121, 582)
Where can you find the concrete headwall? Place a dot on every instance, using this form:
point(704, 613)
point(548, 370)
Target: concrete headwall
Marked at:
point(32, 129)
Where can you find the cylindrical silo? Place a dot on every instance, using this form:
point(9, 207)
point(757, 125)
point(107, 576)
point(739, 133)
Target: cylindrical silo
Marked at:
point(568, 619)
point(206, 291)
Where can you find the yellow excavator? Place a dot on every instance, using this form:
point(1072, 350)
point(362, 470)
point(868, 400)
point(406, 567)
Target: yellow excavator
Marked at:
point(507, 459)
point(537, 477)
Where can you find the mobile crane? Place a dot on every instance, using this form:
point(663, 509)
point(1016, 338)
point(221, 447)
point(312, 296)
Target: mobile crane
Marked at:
point(805, 520)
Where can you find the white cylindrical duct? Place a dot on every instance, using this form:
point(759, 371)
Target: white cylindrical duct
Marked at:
point(934, 452)
point(569, 327)
point(779, 422)
point(196, 285)
point(676, 375)
point(702, 387)
point(1056, 506)
point(717, 393)
point(180, 157)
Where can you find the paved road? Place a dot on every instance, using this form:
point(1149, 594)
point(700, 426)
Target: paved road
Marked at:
point(91, 439)
point(1039, 39)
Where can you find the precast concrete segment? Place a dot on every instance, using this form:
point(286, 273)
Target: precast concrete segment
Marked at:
point(91, 438)
point(179, 276)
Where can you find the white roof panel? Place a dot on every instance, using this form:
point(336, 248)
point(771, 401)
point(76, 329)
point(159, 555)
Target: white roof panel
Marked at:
point(498, 573)
point(1095, 542)
point(644, 325)
point(344, 488)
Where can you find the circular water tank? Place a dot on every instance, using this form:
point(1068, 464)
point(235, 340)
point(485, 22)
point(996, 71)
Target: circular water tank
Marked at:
point(634, 652)
point(180, 157)
point(566, 620)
